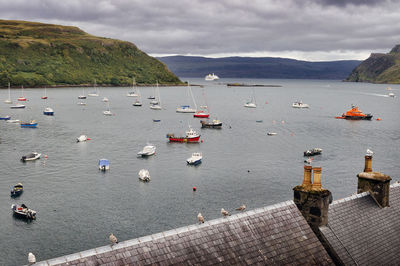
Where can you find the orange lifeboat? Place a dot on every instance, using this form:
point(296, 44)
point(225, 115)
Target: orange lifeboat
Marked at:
point(355, 114)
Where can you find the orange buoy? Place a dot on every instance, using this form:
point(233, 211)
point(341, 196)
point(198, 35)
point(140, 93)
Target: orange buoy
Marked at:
point(379, 119)
point(201, 141)
point(194, 188)
point(45, 156)
point(88, 138)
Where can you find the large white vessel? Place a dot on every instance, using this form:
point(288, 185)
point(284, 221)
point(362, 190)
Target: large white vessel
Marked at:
point(211, 77)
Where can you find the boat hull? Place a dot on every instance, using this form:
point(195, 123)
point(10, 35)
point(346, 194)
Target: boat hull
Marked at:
point(44, 97)
point(22, 99)
point(367, 117)
point(17, 107)
point(16, 193)
point(184, 139)
point(201, 115)
point(5, 118)
point(197, 162)
point(29, 125)
point(48, 113)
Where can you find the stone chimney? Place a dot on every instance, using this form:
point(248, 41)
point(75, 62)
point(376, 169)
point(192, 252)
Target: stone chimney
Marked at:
point(377, 184)
point(311, 199)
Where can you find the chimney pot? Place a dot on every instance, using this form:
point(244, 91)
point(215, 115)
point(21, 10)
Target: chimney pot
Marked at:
point(317, 178)
point(307, 175)
point(368, 163)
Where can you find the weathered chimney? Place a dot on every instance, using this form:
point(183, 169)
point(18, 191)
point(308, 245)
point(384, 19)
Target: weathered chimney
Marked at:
point(312, 201)
point(376, 183)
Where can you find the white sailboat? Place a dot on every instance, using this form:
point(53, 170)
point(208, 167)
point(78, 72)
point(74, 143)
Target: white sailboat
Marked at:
point(187, 108)
point(82, 96)
point(108, 111)
point(9, 95)
point(157, 104)
point(252, 102)
point(138, 101)
point(95, 92)
point(132, 93)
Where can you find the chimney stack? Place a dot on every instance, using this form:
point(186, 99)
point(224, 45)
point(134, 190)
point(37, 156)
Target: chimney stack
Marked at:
point(311, 199)
point(377, 184)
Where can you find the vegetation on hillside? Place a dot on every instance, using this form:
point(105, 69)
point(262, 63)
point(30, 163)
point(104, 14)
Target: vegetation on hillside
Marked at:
point(37, 54)
point(379, 68)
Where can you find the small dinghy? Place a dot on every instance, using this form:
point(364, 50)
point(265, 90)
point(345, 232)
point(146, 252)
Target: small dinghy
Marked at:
point(214, 124)
point(81, 103)
point(148, 150)
point(144, 175)
point(31, 157)
point(104, 165)
point(23, 211)
point(271, 133)
point(82, 138)
point(17, 190)
point(156, 120)
point(312, 152)
point(195, 159)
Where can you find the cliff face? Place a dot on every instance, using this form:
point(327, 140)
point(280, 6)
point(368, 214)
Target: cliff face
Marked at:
point(379, 68)
point(37, 54)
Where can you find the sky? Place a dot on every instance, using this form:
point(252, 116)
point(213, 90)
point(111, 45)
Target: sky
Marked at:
point(313, 30)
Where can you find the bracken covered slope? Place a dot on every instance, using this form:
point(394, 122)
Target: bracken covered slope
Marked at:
point(379, 68)
point(37, 54)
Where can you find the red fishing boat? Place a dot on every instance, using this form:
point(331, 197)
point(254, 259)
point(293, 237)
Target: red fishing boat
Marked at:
point(190, 136)
point(355, 114)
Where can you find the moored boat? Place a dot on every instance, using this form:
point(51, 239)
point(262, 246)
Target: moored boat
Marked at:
point(185, 109)
point(48, 111)
point(391, 94)
point(13, 121)
point(31, 157)
point(137, 103)
point(23, 211)
point(82, 138)
point(214, 124)
point(201, 114)
point(190, 136)
point(22, 98)
point(148, 150)
point(300, 104)
point(195, 159)
point(7, 117)
point(144, 175)
point(17, 190)
point(105, 99)
point(30, 124)
point(355, 114)
point(312, 152)
point(271, 133)
point(104, 165)
point(17, 106)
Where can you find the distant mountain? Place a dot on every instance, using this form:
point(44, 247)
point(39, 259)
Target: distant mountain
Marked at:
point(261, 67)
point(379, 68)
point(38, 54)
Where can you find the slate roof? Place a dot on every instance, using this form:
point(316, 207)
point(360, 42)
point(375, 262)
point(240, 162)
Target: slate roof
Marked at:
point(273, 235)
point(362, 233)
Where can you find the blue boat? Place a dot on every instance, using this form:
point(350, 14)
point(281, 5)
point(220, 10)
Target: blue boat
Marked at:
point(17, 190)
point(31, 124)
point(7, 117)
point(156, 120)
point(48, 111)
point(104, 165)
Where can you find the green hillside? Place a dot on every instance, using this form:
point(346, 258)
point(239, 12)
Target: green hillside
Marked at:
point(379, 68)
point(37, 54)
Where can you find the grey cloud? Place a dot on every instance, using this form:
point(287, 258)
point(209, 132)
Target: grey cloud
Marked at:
point(225, 26)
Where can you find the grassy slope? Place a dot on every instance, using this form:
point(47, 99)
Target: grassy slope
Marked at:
point(37, 54)
point(379, 68)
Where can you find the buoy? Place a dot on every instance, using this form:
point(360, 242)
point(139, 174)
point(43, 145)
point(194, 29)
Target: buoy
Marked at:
point(194, 188)
point(45, 156)
point(201, 141)
point(378, 119)
point(88, 138)
point(248, 171)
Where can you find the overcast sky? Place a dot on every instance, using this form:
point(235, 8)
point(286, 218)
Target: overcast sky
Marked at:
point(314, 30)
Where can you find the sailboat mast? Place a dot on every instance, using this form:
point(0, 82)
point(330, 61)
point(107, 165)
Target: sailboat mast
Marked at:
point(9, 93)
point(191, 94)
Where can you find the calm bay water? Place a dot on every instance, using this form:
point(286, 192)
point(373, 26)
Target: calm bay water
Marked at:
point(78, 206)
